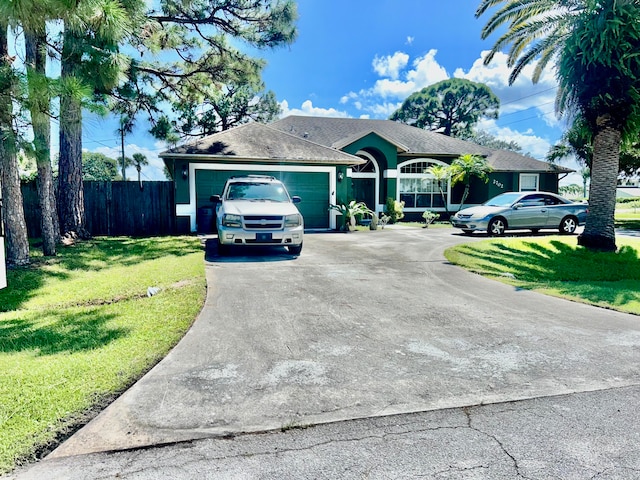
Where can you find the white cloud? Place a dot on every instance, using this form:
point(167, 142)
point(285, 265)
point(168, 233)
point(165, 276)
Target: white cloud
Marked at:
point(426, 71)
point(307, 109)
point(397, 82)
point(391, 65)
point(531, 144)
point(410, 40)
point(153, 171)
point(520, 96)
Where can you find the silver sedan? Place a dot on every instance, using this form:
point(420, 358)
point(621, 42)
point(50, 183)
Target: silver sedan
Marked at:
point(522, 210)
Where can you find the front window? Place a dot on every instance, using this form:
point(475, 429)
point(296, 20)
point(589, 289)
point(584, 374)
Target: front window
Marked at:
point(528, 182)
point(419, 189)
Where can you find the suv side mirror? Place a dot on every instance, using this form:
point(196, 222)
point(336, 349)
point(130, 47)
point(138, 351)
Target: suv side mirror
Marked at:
point(296, 199)
point(215, 199)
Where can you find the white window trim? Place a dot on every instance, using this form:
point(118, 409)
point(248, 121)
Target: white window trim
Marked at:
point(375, 175)
point(189, 209)
point(533, 175)
point(421, 175)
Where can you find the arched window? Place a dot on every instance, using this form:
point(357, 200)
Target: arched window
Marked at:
point(418, 189)
point(368, 167)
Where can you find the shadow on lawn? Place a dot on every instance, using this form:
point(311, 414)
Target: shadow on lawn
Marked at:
point(100, 253)
point(65, 332)
point(576, 271)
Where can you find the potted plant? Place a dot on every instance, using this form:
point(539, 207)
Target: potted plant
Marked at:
point(349, 213)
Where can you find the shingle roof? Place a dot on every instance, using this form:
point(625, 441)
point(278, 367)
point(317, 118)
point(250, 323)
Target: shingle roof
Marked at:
point(508, 161)
point(319, 139)
point(255, 141)
point(332, 131)
point(339, 132)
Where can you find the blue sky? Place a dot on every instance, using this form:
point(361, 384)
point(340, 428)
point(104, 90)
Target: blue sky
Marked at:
point(362, 58)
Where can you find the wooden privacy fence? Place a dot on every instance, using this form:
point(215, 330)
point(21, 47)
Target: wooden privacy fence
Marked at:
point(116, 208)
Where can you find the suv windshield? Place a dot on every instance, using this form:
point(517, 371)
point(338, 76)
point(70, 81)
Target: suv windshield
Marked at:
point(257, 191)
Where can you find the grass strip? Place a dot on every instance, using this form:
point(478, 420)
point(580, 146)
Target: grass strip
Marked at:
point(557, 266)
point(78, 329)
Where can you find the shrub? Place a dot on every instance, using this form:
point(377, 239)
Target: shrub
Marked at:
point(393, 208)
point(430, 217)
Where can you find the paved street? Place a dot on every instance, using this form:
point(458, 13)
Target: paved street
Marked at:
point(409, 366)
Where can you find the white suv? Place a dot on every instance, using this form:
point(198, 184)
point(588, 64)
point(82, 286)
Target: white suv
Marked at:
point(257, 210)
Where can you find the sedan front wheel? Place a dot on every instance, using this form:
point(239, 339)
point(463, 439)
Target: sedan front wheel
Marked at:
point(496, 228)
point(568, 225)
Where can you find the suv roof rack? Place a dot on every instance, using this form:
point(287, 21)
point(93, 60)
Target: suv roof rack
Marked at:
point(269, 177)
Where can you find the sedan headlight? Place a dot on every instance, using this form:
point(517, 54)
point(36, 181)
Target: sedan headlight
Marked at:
point(294, 220)
point(233, 221)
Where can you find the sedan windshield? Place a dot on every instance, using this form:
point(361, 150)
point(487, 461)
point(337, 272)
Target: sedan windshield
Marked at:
point(504, 200)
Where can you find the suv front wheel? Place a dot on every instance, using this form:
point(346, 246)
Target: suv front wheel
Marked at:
point(223, 250)
point(295, 249)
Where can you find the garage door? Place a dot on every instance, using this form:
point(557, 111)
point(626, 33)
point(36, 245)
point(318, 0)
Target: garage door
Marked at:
point(312, 187)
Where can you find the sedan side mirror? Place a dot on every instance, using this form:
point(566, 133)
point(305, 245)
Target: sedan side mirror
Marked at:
point(296, 199)
point(517, 206)
point(215, 199)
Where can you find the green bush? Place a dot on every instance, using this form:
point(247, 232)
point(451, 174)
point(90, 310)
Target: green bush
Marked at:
point(430, 217)
point(394, 209)
point(626, 200)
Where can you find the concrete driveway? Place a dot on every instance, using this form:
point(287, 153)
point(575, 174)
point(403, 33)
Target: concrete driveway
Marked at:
point(360, 325)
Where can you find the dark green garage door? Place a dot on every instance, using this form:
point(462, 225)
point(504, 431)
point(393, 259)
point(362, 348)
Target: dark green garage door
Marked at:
point(312, 187)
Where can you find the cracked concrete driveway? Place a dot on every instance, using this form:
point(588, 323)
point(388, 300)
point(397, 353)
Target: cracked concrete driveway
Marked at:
point(367, 325)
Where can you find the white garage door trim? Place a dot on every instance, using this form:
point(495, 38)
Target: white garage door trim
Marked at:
point(189, 210)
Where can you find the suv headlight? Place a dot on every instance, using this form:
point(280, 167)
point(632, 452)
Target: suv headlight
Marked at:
point(294, 220)
point(234, 221)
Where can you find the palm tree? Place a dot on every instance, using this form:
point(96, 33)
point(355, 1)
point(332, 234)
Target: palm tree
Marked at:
point(464, 168)
point(126, 127)
point(585, 173)
point(537, 31)
point(594, 44)
point(575, 142)
point(139, 160)
point(441, 174)
point(599, 75)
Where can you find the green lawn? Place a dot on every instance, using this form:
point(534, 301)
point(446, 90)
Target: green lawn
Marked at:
point(79, 328)
point(556, 266)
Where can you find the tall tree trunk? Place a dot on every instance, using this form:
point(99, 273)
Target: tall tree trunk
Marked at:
point(599, 232)
point(39, 103)
point(70, 185)
point(123, 159)
point(12, 208)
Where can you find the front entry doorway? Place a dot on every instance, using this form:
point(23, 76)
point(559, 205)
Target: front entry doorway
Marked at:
point(364, 181)
point(364, 190)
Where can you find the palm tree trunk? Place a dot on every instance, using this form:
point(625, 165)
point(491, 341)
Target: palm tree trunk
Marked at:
point(444, 198)
point(12, 208)
point(465, 194)
point(599, 233)
point(70, 185)
point(35, 49)
point(123, 159)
